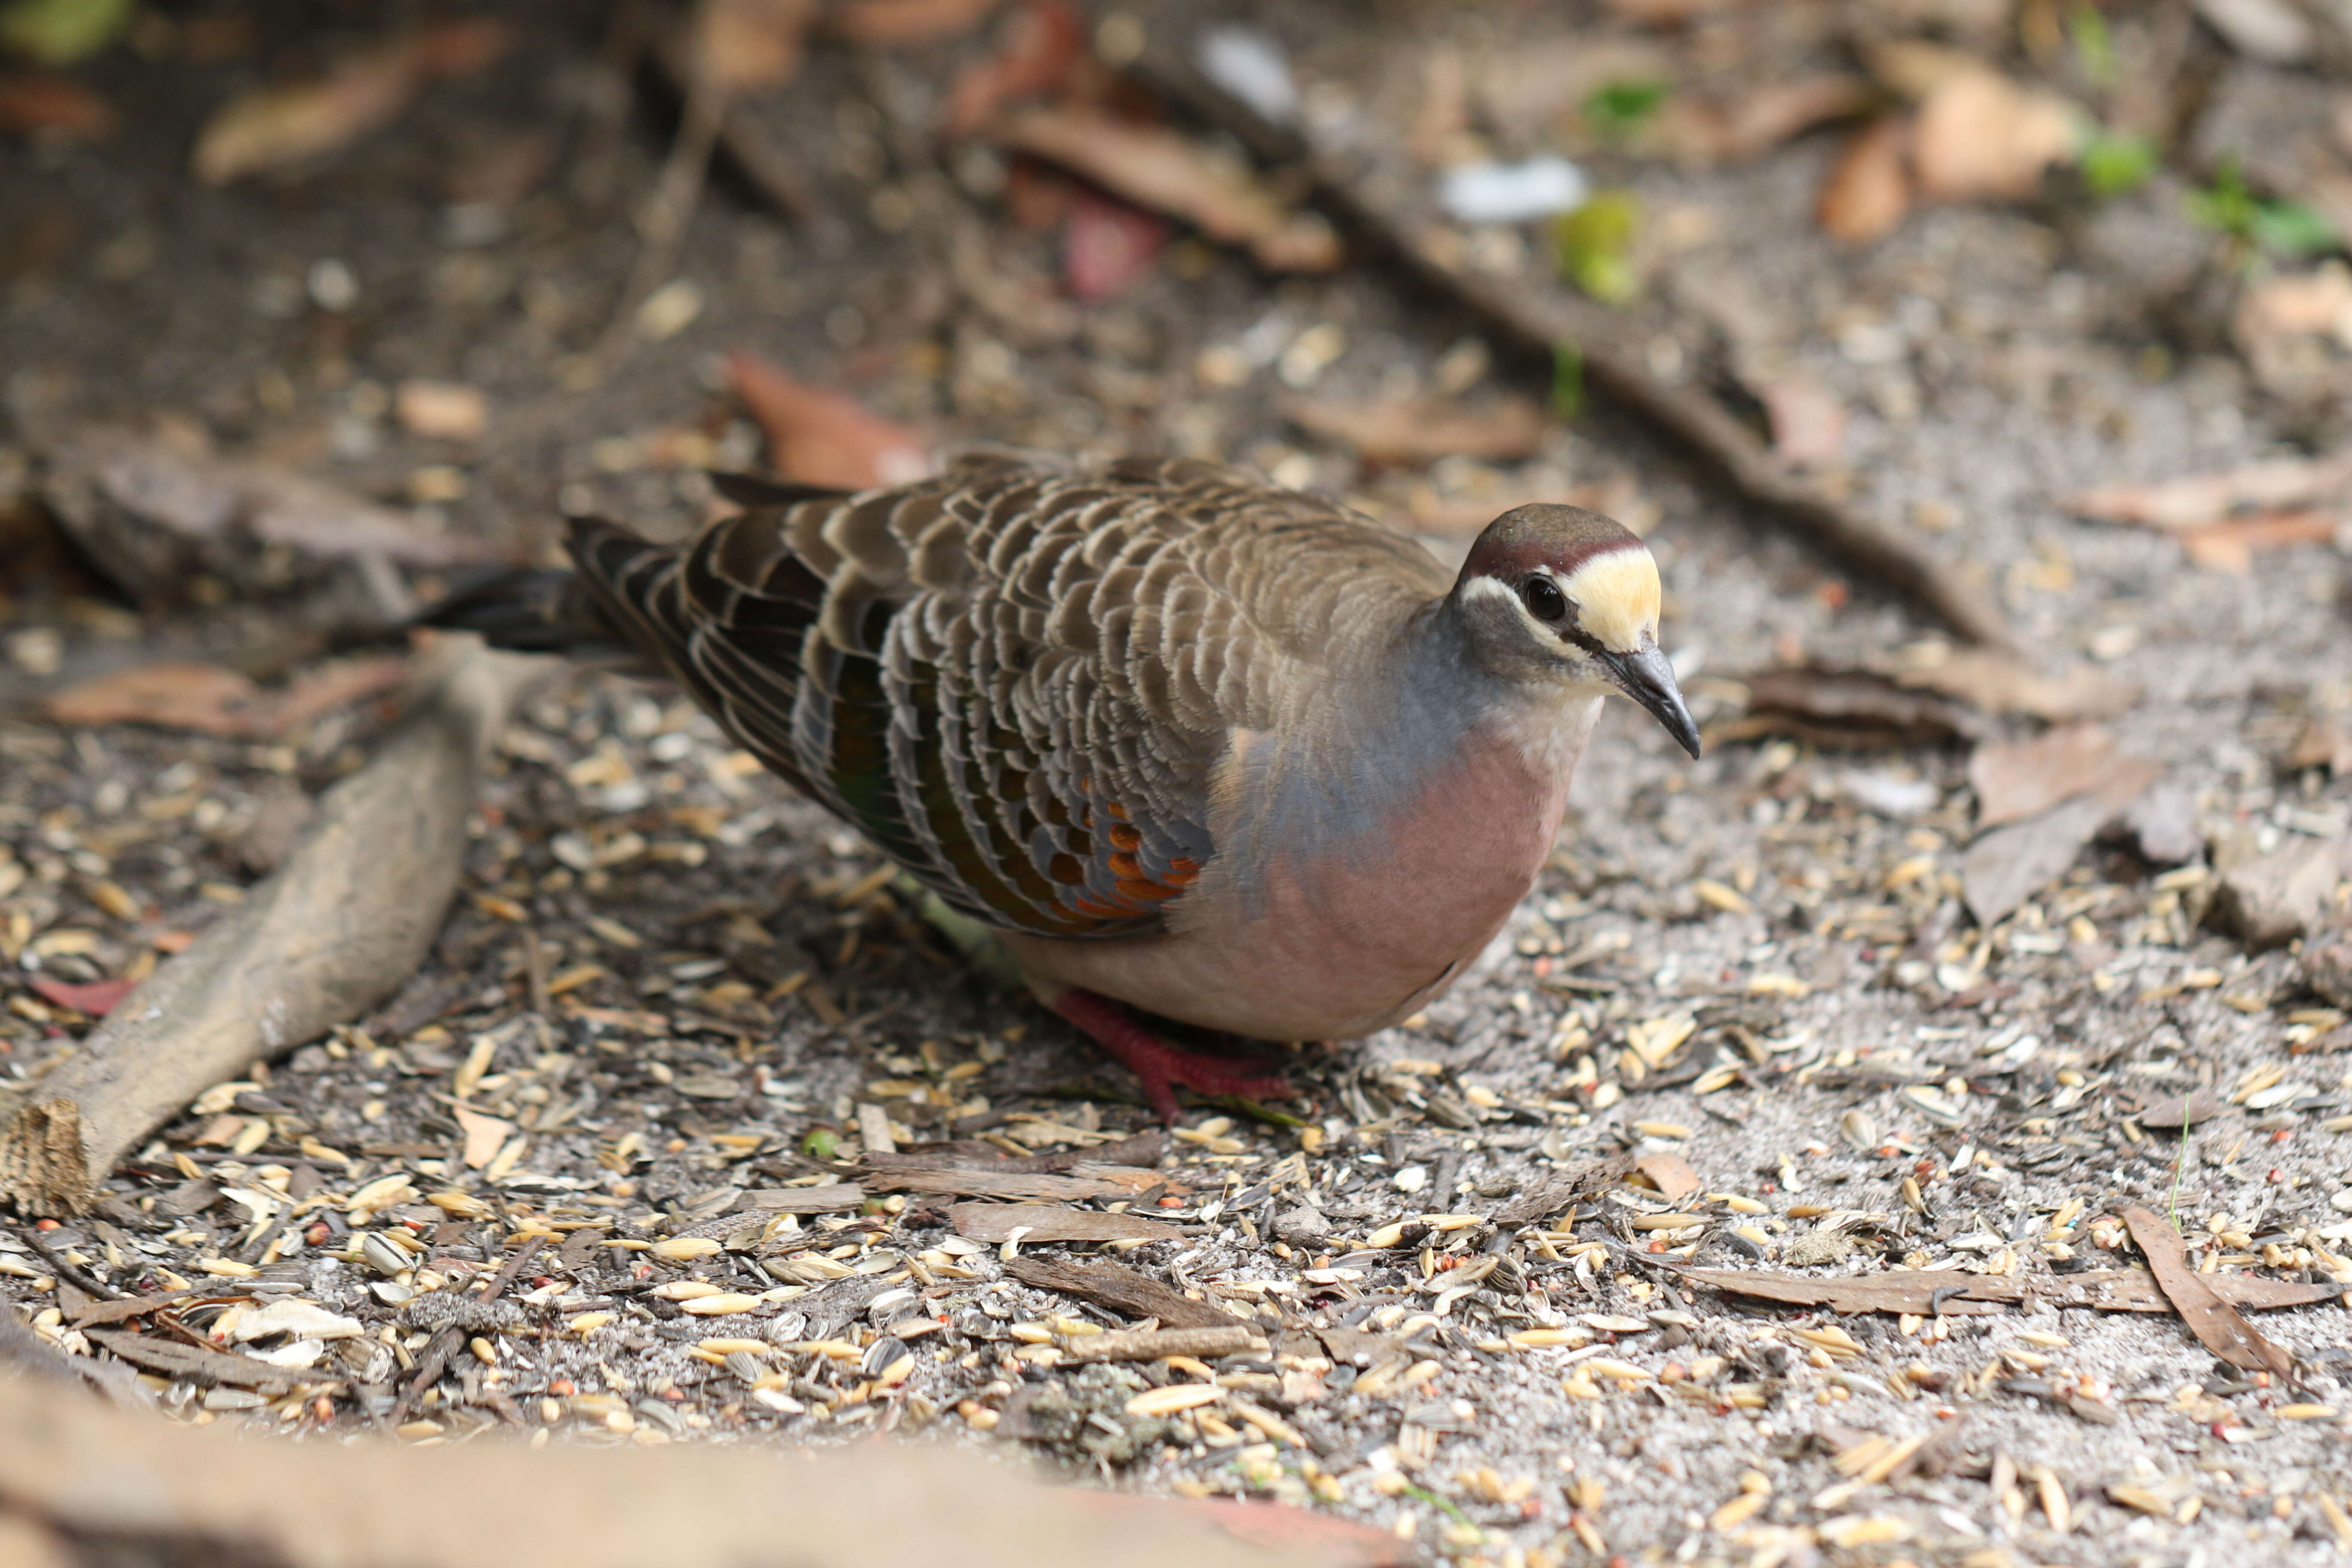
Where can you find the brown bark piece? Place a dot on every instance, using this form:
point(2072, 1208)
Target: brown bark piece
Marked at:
point(1150, 1344)
point(105, 1314)
point(802, 1200)
point(1016, 1184)
point(347, 918)
point(2105, 1289)
point(178, 1360)
point(2218, 1326)
point(1119, 1289)
point(1044, 1223)
point(2175, 1111)
point(1557, 1192)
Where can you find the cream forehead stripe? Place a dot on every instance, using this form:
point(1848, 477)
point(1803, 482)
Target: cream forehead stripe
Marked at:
point(1616, 596)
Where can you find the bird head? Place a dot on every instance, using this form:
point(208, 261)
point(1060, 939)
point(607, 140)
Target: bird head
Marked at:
point(1558, 596)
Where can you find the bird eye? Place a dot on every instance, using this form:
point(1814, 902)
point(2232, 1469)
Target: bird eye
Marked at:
point(1544, 599)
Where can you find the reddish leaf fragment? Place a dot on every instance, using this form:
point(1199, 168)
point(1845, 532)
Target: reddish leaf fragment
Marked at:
point(2219, 1326)
point(53, 106)
point(821, 438)
point(216, 702)
point(1043, 47)
point(95, 999)
point(1868, 189)
point(897, 23)
point(2230, 545)
point(200, 697)
point(1108, 246)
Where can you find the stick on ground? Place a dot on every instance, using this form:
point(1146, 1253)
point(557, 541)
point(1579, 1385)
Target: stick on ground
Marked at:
point(346, 919)
point(1551, 321)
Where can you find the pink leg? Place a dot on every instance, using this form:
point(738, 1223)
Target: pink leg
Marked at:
point(1160, 1065)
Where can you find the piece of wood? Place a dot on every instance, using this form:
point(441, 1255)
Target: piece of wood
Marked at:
point(2219, 1326)
point(1965, 1294)
point(105, 1314)
point(1013, 1185)
point(83, 1480)
point(1150, 1344)
point(1042, 1223)
point(828, 1199)
point(2175, 1111)
point(346, 919)
point(1551, 321)
point(1557, 1192)
point(174, 1359)
point(1117, 1288)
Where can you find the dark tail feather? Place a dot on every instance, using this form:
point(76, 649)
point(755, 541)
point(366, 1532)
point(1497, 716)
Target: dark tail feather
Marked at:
point(530, 611)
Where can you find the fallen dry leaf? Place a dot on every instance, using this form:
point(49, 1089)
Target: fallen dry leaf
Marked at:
point(53, 106)
point(1981, 136)
point(1868, 189)
point(2177, 504)
point(214, 701)
point(1849, 708)
point(278, 126)
point(1416, 431)
point(1702, 132)
point(821, 438)
point(484, 1134)
point(1670, 1173)
point(1108, 246)
point(94, 998)
point(2230, 545)
point(1998, 682)
point(897, 23)
point(749, 44)
point(2217, 1324)
point(1042, 46)
point(2008, 865)
point(1808, 421)
point(1155, 167)
point(2017, 779)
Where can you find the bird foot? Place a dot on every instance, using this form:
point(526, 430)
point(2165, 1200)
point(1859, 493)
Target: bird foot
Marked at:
point(1158, 1063)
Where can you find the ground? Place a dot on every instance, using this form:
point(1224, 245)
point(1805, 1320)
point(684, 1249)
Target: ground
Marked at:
point(669, 987)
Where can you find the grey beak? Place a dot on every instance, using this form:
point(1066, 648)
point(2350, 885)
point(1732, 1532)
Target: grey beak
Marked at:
point(1649, 680)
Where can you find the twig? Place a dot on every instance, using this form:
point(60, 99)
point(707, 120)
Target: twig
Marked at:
point(1555, 325)
point(346, 919)
point(434, 1360)
point(71, 1273)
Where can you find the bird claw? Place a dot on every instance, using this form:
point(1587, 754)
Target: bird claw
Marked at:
point(1160, 1066)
